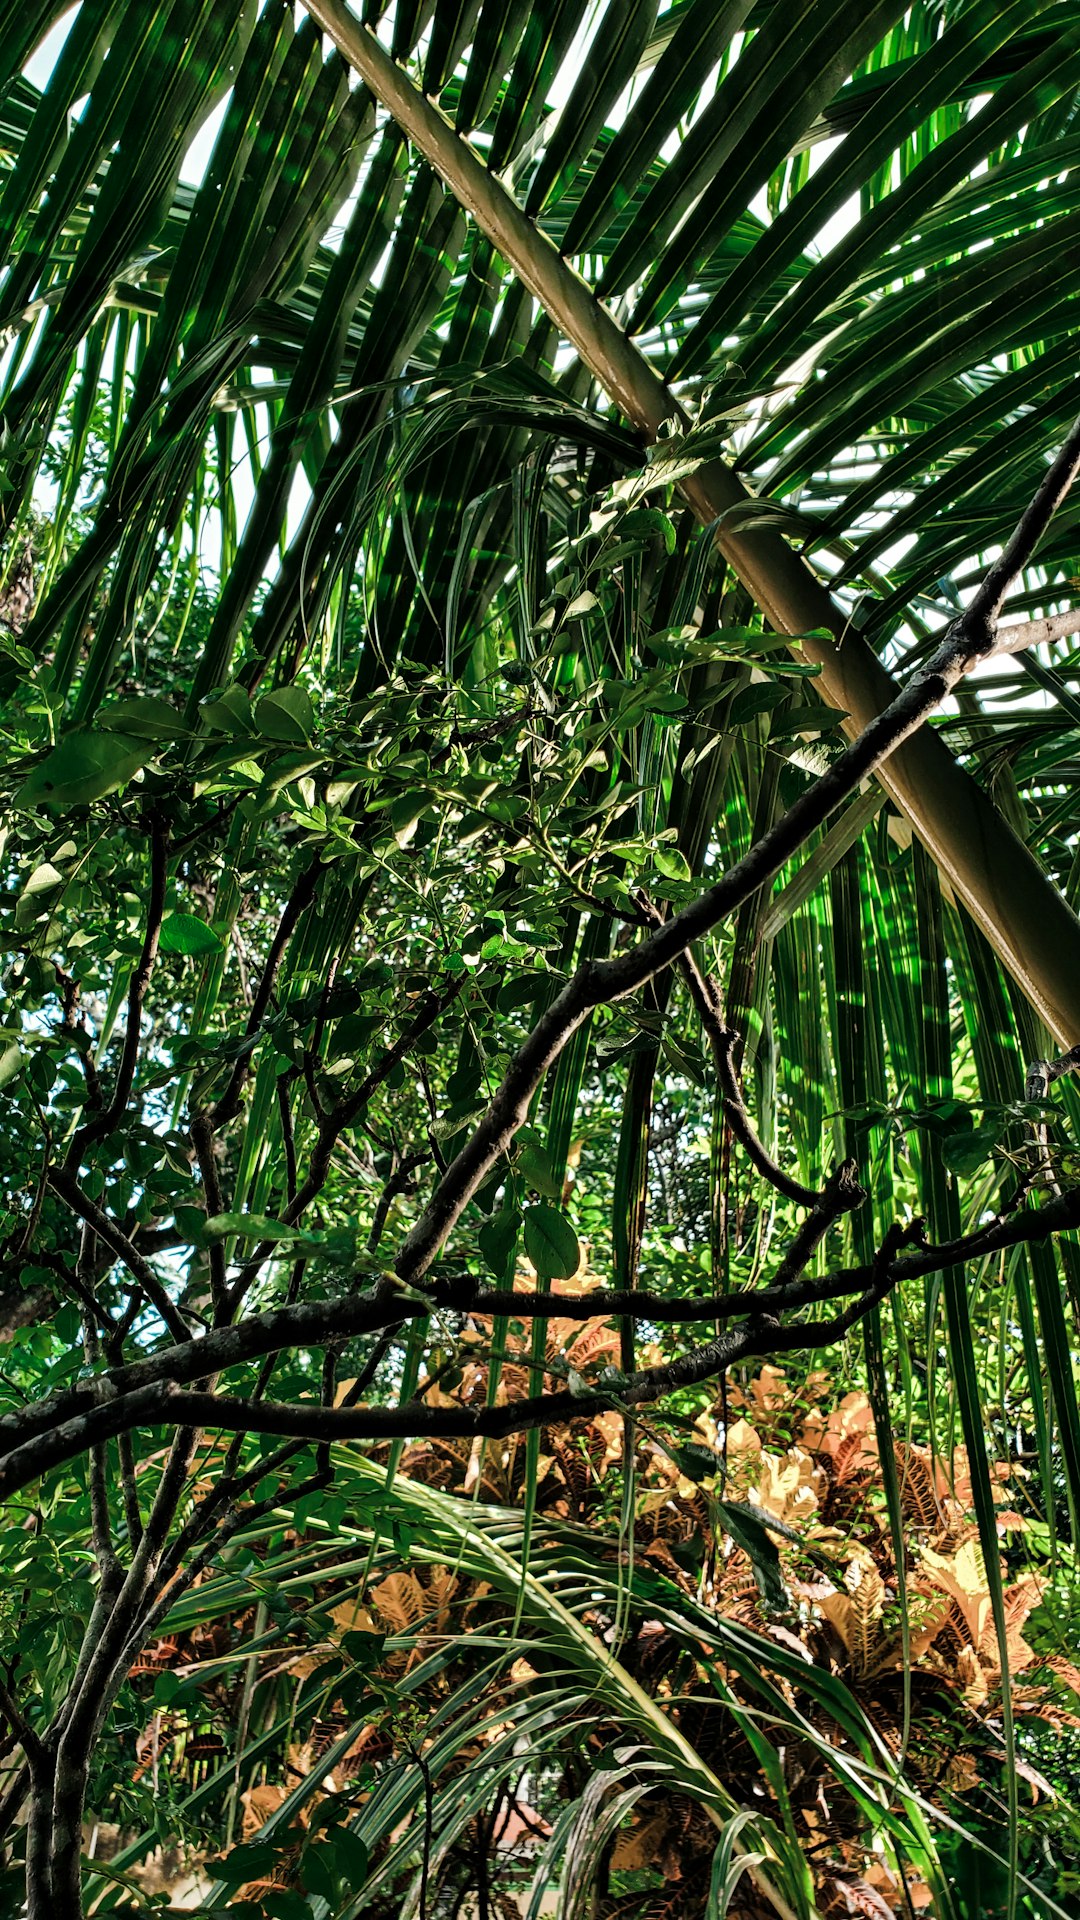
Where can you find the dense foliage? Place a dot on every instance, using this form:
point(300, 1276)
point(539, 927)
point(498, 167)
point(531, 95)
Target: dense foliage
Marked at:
point(538, 1161)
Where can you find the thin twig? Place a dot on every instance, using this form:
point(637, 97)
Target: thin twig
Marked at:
point(107, 1121)
point(101, 1527)
point(300, 899)
point(334, 1123)
point(984, 610)
point(705, 994)
point(88, 1210)
point(202, 1139)
point(29, 1739)
point(841, 1194)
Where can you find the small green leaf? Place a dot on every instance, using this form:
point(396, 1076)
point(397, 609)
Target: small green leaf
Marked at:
point(814, 717)
point(228, 711)
point(698, 1462)
point(84, 767)
point(363, 1646)
point(497, 1239)
point(759, 698)
point(44, 882)
point(171, 1690)
point(944, 1115)
point(499, 947)
point(351, 1856)
point(191, 1223)
point(405, 816)
point(286, 715)
point(250, 1226)
point(551, 1243)
point(318, 1874)
point(536, 1166)
point(687, 1060)
point(521, 991)
point(186, 933)
point(646, 522)
point(671, 863)
point(245, 1863)
point(750, 1531)
point(12, 1061)
point(966, 1152)
point(146, 717)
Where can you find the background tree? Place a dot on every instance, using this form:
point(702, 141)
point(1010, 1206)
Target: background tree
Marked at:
point(411, 798)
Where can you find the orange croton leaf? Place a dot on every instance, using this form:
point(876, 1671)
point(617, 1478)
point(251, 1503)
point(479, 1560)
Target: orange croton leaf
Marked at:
point(851, 1421)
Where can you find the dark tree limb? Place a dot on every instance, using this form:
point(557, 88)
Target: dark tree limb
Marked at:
point(22, 1306)
point(175, 1578)
point(400, 1182)
point(144, 1385)
point(288, 1137)
point(346, 1112)
point(28, 1737)
point(143, 1394)
point(173, 1405)
point(841, 1194)
point(982, 614)
point(101, 1526)
point(26, 1236)
point(202, 1139)
point(129, 1488)
point(13, 1798)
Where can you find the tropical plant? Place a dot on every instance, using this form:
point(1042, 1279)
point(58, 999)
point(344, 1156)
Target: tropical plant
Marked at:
point(460, 483)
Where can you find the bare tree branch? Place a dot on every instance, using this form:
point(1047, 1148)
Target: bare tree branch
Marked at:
point(202, 1139)
point(1037, 633)
point(173, 1405)
point(980, 618)
point(842, 1194)
point(151, 1393)
point(143, 1385)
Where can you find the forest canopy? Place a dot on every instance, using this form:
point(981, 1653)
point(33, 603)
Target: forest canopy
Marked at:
point(539, 1156)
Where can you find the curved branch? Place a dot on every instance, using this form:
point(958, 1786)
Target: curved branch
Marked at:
point(299, 900)
point(147, 1383)
point(705, 995)
point(985, 607)
point(65, 1184)
point(174, 1406)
